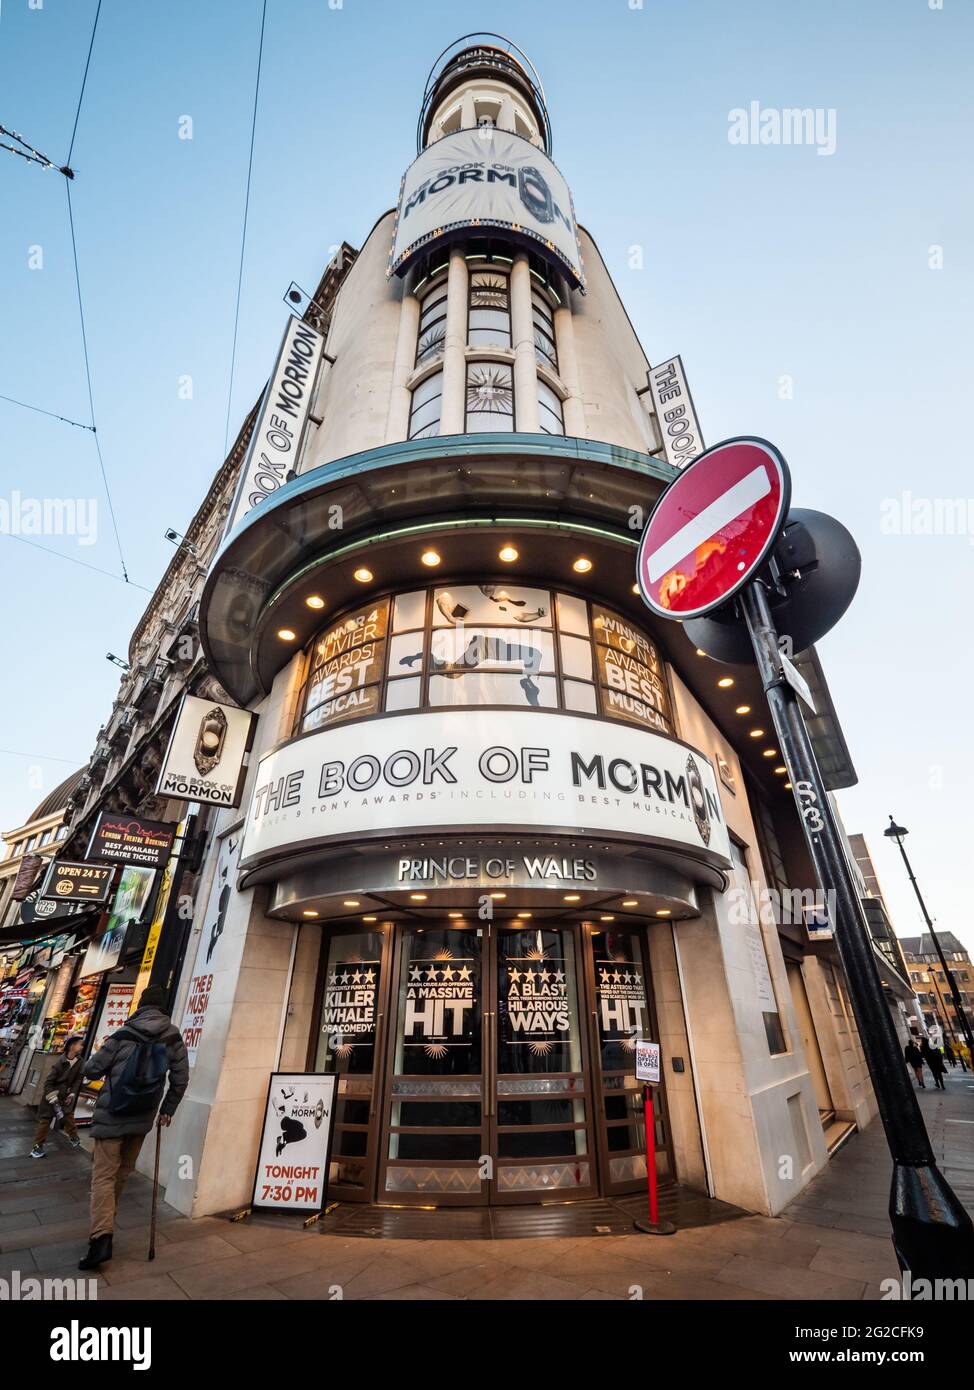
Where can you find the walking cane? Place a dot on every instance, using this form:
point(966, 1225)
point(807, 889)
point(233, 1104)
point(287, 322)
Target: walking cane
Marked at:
point(155, 1194)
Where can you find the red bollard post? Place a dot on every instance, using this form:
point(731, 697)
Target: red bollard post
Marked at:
point(651, 1156)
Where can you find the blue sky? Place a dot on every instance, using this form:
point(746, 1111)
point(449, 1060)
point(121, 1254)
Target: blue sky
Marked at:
point(757, 263)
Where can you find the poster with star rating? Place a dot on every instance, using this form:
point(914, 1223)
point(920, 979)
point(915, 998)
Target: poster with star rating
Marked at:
point(536, 1011)
point(623, 1013)
point(439, 1013)
point(348, 1013)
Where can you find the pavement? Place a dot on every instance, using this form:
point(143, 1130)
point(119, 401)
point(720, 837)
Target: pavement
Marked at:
point(831, 1243)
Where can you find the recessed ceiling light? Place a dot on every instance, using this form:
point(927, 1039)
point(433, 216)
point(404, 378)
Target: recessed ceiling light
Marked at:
point(608, 918)
point(350, 902)
point(770, 753)
point(635, 588)
point(308, 912)
point(508, 554)
point(368, 919)
point(780, 771)
point(286, 634)
point(418, 897)
point(787, 786)
point(524, 916)
point(701, 652)
point(498, 895)
point(315, 601)
point(631, 902)
point(363, 575)
point(726, 682)
point(430, 558)
point(454, 914)
point(573, 897)
point(664, 912)
point(743, 709)
point(582, 565)
point(757, 733)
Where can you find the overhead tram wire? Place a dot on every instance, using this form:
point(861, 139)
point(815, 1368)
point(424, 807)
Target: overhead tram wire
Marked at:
point(243, 238)
point(81, 312)
point(78, 424)
point(73, 559)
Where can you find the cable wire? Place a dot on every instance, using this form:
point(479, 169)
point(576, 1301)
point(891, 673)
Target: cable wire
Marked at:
point(91, 398)
point(84, 81)
point(73, 559)
point(243, 238)
point(49, 413)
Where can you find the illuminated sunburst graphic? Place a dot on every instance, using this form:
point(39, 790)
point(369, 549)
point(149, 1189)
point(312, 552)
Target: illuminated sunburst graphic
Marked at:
point(343, 1049)
point(535, 953)
point(541, 1049)
point(490, 390)
point(488, 291)
point(445, 954)
point(435, 1050)
point(629, 1044)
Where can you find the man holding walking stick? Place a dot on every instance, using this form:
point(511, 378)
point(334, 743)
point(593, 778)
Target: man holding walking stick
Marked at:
point(135, 1062)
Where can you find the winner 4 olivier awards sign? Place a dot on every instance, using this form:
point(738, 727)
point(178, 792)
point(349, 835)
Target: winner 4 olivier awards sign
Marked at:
point(292, 1164)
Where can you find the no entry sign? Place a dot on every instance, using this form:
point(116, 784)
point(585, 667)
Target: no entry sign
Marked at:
point(713, 527)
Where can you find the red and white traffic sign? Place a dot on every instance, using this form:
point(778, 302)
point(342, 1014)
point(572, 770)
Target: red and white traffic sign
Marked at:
point(713, 527)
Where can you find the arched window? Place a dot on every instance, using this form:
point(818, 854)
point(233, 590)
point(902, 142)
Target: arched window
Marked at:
point(489, 315)
point(432, 324)
point(424, 414)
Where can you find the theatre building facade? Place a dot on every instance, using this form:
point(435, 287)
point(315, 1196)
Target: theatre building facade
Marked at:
point(499, 823)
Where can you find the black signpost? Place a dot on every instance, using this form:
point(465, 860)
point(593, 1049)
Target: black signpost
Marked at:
point(933, 1235)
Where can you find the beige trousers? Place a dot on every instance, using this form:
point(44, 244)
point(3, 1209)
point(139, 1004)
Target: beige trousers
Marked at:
point(114, 1159)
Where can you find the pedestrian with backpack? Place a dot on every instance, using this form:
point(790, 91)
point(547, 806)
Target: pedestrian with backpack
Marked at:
point(135, 1062)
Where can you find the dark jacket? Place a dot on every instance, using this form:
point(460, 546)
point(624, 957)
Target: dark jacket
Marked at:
point(64, 1077)
point(150, 1024)
point(933, 1059)
point(913, 1055)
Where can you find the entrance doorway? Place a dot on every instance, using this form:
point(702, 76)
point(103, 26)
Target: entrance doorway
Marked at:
point(487, 1064)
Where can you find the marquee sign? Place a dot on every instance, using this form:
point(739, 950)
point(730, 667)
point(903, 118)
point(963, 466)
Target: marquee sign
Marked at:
point(477, 179)
point(67, 882)
point(465, 769)
point(207, 753)
point(279, 428)
point(131, 840)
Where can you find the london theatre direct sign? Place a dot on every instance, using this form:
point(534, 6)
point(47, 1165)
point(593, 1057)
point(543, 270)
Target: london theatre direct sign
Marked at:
point(128, 840)
point(456, 769)
point(207, 753)
point(292, 1163)
point(481, 179)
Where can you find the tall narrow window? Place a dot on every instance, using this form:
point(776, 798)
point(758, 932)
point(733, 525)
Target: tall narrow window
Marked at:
point(550, 417)
point(432, 324)
point(424, 414)
point(490, 397)
point(544, 331)
point(489, 323)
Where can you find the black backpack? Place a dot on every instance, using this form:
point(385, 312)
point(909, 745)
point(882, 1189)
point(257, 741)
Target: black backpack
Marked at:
point(139, 1089)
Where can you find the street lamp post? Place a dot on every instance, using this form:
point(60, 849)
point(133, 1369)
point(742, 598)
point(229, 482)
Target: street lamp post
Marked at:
point(899, 833)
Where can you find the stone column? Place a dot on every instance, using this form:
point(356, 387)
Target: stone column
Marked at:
point(522, 337)
point(468, 112)
point(573, 406)
point(454, 344)
point(400, 398)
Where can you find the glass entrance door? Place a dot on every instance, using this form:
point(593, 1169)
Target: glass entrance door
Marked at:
point(435, 1140)
point(622, 1013)
point(540, 1105)
point(352, 1014)
point(485, 1097)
